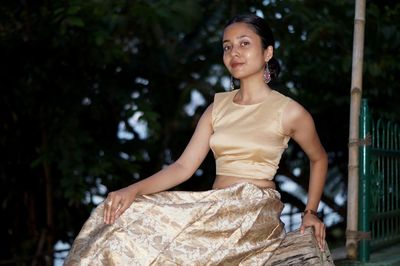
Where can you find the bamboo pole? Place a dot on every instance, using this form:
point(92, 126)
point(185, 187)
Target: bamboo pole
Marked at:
point(356, 91)
point(49, 201)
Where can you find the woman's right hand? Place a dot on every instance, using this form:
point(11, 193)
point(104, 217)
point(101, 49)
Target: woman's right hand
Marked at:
point(117, 202)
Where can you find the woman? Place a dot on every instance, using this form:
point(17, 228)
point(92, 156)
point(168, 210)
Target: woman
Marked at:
point(237, 222)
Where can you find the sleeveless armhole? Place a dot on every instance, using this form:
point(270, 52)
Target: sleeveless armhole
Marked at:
point(214, 108)
point(281, 110)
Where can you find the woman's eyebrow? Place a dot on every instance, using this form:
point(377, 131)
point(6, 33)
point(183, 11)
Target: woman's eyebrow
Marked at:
point(240, 37)
point(243, 36)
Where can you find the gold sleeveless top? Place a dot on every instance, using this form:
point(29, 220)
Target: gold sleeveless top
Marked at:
point(248, 140)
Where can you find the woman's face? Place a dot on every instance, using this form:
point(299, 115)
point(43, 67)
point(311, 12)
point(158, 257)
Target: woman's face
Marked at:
point(244, 55)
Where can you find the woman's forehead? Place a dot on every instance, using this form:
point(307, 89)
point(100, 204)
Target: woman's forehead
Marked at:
point(238, 30)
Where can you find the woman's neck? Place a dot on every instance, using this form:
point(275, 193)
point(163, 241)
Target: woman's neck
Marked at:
point(252, 91)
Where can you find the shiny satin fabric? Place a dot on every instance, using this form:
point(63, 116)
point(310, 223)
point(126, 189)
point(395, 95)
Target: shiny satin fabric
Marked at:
point(248, 140)
point(238, 225)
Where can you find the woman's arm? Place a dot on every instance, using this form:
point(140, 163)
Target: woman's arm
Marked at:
point(299, 124)
point(178, 172)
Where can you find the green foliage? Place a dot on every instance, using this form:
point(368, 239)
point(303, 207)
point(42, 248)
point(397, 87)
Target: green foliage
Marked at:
point(73, 72)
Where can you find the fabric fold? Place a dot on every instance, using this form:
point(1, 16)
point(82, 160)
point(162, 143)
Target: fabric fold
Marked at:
point(238, 225)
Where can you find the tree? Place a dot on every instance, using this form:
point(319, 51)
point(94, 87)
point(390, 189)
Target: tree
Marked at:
point(75, 73)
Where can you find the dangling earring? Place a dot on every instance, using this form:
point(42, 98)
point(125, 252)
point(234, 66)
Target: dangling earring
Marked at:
point(267, 74)
point(232, 84)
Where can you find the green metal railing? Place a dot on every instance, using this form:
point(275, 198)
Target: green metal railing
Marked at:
point(379, 191)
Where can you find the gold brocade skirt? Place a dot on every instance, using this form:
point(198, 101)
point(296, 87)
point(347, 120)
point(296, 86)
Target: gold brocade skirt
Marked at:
point(238, 225)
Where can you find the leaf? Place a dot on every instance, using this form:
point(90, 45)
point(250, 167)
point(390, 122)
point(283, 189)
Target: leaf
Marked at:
point(73, 10)
point(75, 21)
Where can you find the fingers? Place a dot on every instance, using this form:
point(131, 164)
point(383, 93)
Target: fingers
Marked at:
point(320, 235)
point(319, 230)
point(115, 206)
point(106, 208)
point(112, 206)
point(323, 237)
point(302, 228)
point(121, 209)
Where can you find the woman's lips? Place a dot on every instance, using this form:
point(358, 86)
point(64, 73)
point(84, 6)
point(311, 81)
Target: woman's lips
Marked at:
point(236, 64)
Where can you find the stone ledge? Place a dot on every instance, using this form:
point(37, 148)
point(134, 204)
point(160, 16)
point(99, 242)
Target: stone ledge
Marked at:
point(301, 249)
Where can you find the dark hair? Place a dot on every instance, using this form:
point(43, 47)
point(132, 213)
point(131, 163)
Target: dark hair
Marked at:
point(261, 28)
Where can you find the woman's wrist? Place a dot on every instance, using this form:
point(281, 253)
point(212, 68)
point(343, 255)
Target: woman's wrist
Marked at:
point(134, 189)
point(309, 212)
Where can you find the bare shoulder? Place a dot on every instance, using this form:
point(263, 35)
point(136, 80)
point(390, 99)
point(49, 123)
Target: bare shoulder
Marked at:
point(293, 116)
point(295, 110)
point(205, 120)
point(209, 109)
point(208, 113)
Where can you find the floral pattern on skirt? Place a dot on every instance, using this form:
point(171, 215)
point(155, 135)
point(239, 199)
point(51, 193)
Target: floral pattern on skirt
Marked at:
point(238, 225)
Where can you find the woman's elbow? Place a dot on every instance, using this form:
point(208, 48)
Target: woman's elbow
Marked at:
point(321, 157)
point(324, 156)
point(183, 172)
point(323, 160)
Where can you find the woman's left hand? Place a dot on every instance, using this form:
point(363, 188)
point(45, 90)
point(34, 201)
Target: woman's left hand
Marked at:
point(310, 220)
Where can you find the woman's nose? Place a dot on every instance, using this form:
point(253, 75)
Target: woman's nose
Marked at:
point(235, 51)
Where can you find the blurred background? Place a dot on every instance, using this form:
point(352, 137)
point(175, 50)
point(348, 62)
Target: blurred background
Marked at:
point(98, 94)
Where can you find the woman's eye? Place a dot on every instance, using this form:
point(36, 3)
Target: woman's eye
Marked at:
point(245, 43)
point(226, 48)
